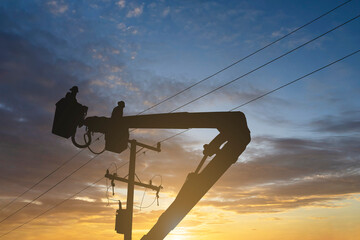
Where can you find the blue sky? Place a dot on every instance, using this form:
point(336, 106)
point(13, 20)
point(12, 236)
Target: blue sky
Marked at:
point(182, 42)
point(144, 51)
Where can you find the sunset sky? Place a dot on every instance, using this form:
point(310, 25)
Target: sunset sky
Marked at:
point(299, 178)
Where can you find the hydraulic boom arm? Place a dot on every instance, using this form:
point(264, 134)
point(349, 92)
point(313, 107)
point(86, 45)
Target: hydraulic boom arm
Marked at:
point(227, 146)
point(233, 132)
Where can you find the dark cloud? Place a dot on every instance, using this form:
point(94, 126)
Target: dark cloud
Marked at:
point(271, 205)
point(290, 173)
point(346, 123)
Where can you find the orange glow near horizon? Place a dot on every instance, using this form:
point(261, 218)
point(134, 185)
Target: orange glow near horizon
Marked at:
point(210, 223)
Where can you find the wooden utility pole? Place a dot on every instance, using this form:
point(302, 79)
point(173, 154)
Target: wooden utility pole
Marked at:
point(124, 218)
point(130, 192)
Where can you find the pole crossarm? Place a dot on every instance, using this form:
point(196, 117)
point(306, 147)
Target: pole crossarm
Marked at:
point(115, 177)
point(143, 145)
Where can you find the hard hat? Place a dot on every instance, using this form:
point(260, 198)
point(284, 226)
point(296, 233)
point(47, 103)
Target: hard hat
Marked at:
point(121, 104)
point(74, 89)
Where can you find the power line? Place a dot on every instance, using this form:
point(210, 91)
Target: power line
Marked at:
point(254, 99)
point(274, 90)
point(223, 69)
point(37, 183)
point(240, 60)
point(48, 175)
point(64, 199)
point(298, 79)
point(248, 73)
point(244, 58)
point(286, 35)
point(206, 78)
point(255, 69)
point(49, 189)
point(267, 63)
point(58, 204)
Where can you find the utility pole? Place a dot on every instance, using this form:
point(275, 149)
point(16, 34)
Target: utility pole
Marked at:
point(130, 192)
point(124, 218)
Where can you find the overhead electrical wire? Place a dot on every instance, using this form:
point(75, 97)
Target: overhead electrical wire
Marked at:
point(223, 85)
point(48, 175)
point(267, 63)
point(244, 58)
point(240, 60)
point(296, 80)
point(56, 205)
point(274, 90)
point(38, 182)
point(143, 196)
point(49, 189)
point(255, 69)
point(199, 96)
point(248, 102)
point(191, 86)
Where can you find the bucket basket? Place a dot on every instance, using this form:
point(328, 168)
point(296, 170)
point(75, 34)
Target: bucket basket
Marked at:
point(69, 114)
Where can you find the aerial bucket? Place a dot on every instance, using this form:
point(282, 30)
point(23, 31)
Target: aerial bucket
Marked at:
point(69, 114)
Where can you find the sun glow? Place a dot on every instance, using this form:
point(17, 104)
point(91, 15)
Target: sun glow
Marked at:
point(179, 233)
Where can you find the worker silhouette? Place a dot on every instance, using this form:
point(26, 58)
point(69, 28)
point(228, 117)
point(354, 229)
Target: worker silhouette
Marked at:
point(116, 135)
point(71, 96)
point(69, 114)
point(118, 111)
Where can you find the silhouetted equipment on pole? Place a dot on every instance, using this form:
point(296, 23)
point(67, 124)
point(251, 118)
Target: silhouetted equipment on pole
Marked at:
point(226, 147)
point(123, 222)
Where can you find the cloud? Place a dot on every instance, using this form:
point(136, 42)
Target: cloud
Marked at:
point(136, 12)
point(347, 122)
point(166, 11)
point(281, 32)
point(121, 26)
point(289, 173)
point(127, 29)
point(85, 199)
point(113, 81)
point(271, 205)
point(121, 3)
point(6, 108)
point(57, 7)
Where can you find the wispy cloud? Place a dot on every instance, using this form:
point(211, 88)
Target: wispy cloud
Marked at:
point(57, 7)
point(121, 3)
point(166, 11)
point(136, 12)
point(348, 122)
